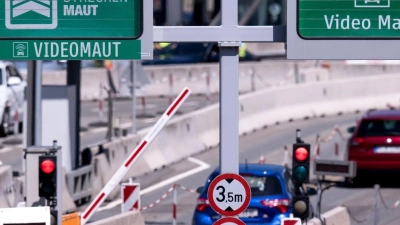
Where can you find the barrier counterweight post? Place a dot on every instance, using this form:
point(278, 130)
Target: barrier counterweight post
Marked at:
point(132, 158)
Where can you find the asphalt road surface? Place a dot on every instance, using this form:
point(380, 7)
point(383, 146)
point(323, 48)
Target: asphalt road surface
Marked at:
point(269, 142)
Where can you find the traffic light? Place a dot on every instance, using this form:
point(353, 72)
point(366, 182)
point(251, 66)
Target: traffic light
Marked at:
point(47, 176)
point(301, 163)
point(300, 206)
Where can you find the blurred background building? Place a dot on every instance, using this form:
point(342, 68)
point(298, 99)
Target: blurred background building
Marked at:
point(207, 12)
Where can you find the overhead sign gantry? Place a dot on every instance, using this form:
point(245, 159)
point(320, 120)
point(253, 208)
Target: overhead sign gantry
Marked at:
point(346, 29)
point(73, 30)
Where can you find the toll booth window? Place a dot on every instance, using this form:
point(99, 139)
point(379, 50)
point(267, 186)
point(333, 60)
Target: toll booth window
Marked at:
point(264, 185)
point(370, 128)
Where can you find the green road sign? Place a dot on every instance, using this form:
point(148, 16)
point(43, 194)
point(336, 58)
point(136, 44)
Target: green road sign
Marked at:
point(348, 19)
point(70, 50)
point(71, 19)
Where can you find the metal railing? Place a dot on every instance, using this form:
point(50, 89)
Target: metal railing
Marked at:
point(79, 184)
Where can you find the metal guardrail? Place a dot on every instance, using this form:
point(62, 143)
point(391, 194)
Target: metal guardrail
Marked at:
point(79, 184)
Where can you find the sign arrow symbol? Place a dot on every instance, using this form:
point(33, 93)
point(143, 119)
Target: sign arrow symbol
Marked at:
point(229, 209)
point(229, 180)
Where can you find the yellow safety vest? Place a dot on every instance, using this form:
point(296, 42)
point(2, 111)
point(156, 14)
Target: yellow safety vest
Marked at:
point(164, 44)
point(242, 50)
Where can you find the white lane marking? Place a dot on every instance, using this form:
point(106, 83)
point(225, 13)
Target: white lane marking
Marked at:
point(202, 166)
point(1, 163)
point(138, 107)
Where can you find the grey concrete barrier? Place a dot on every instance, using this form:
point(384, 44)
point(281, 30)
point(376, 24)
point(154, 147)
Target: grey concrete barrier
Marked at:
point(128, 218)
point(7, 189)
point(192, 133)
point(266, 74)
point(336, 216)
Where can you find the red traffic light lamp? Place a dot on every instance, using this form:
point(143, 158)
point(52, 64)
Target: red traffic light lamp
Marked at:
point(48, 176)
point(301, 154)
point(47, 166)
point(301, 163)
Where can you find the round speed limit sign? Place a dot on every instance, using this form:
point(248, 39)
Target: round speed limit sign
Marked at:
point(229, 194)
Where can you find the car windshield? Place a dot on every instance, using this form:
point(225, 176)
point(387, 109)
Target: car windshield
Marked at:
point(370, 128)
point(265, 185)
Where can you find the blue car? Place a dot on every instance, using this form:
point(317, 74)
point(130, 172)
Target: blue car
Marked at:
point(271, 189)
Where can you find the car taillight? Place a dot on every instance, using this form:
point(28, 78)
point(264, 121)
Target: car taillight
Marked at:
point(281, 204)
point(356, 141)
point(202, 204)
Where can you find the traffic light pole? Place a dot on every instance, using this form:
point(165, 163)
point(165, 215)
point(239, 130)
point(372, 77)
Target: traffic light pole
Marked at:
point(32, 154)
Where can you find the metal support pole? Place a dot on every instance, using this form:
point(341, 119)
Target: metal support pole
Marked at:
point(229, 108)
point(319, 199)
point(34, 103)
point(110, 116)
point(133, 82)
point(229, 92)
point(74, 78)
point(376, 205)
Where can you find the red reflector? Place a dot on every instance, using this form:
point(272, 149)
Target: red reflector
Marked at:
point(301, 154)
point(47, 166)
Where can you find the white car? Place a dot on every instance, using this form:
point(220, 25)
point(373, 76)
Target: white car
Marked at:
point(12, 88)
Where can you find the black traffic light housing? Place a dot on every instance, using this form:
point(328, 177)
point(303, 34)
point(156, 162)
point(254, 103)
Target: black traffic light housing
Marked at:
point(300, 206)
point(48, 176)
point(301, 163)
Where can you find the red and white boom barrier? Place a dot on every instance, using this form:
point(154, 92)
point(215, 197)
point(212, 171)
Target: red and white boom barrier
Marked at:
point(132, 158)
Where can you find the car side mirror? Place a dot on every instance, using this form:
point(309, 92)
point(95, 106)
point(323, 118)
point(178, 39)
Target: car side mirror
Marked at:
point(199, 190)
point(351, 129)
point(311, 191)
point(14, 81)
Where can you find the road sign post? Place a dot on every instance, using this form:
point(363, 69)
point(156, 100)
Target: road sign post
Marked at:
point(229, 194)
point(347, 29)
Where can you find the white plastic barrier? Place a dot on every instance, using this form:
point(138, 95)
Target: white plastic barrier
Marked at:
point(7, 189)
point(199, 130)
point(338, 215)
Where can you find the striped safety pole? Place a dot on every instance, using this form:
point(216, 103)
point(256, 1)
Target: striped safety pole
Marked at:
point(175, 203)
point(132, 158)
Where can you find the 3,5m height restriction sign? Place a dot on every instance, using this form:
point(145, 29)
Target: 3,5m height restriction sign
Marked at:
point(229, 194)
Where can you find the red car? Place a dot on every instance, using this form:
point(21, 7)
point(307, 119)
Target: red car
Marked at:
point(375, 141)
